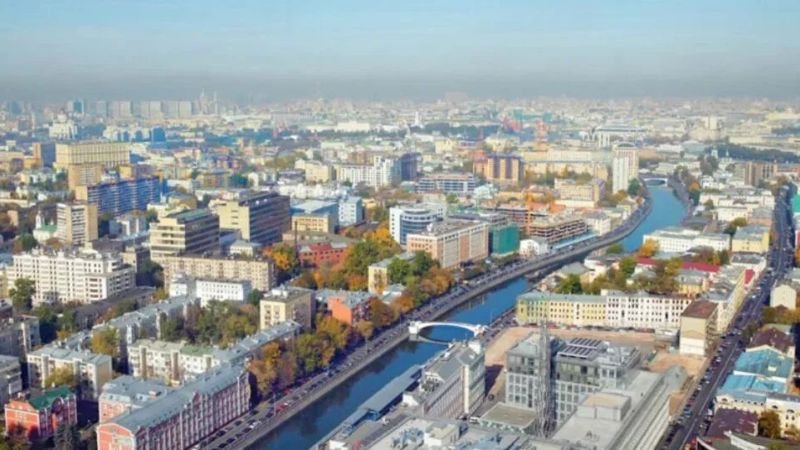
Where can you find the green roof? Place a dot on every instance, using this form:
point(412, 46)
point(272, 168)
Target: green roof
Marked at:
point(49, 396)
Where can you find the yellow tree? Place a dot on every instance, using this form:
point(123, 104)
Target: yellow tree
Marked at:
point(649, 248)
point(105, 342)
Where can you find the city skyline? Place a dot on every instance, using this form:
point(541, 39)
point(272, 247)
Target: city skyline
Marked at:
point(416, 50)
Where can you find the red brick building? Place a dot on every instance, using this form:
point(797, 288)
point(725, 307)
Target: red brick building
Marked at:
point(315, 255)
point(348, 307)
point(41, 415)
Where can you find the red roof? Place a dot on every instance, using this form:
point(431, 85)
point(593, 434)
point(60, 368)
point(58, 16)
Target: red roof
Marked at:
point(702, 267)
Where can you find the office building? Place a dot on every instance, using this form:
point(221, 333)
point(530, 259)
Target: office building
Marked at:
point(404, 220)
point(39, 416)
point(260, 217)
point(76, 222)
point(108, 154)
point(192, 232)
point(91, 370)
point(409, 166)
point(45, 153)
point(128, 225)
point(452, 242)
point(314, 223)
point(500, 168)
point(584, 366)
point(530, 380)
point(504, 239)
point(258, 271)
point(82, 276)
point(449, 183)
point(351, 211)
point(183, 417)
point(453, 383)
point(120, 197)
point(288, 303)
point(576, 194)
point(624, 167)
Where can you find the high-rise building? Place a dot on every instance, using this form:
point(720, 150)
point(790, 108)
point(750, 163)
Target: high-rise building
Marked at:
point(45, 153)
point(757, 171)
point(409, 166)
point(119, 197)
point(500, 168)
point(109, 154)
point(404, 220)
point(193, 232)
point(261, 217)
point(624, 167)
point(77, 222)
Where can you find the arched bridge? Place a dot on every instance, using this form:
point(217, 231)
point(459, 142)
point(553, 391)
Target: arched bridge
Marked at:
point(415, 327)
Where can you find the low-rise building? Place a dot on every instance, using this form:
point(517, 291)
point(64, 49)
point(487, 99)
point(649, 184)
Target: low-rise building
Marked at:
point(91, 370)
point(316, 223)
point(347, 306)
point(378, 273)
point(207, 290)
point(41, 415)
point(258, 271)
point(288, 303)
point(751, 239)
point(126, 393)
point(698, 328)
point(322, 253)
point(575, 194)
point(680, 240)
point(783, 295)
point(558, 228)
point(183, 417)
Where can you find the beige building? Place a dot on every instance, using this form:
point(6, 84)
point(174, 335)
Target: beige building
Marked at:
point(452, 242)
point(751, 239)
point(77, 222)
point(378, 273)
point(783, 295)
point(577, 194)
point(92, 370)
point(83, 175)
point(698, 328)
point(290, 303)
point(316, 171)
point(316, 223)
point(193, 232)
point(500, 168)
point(258, 271)
point(108, 154)
point(261, 217)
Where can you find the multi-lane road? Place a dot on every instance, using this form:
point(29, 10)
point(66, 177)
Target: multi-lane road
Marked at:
point(268, 416)
point(694, 418)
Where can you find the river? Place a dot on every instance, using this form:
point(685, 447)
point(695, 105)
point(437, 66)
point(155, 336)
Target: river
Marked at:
point(308, 427)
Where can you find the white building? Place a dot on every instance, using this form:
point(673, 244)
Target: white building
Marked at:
point(351, 211)
point(384, 171)
point(404, 220)
point(208, 289)
point(624, 167)
point(534, 246)
point(679, 240)
point(83, 276)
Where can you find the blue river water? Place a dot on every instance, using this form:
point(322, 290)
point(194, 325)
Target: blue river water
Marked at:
point(308, 427)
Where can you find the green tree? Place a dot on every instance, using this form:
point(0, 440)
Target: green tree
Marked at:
point(627, 265)
point(615, 249)
point(48, 320)
point(62, 376)
point(254, 297)
point(172, 329)
point(769, 424)
point(105, 342)
point(67, 437)
point(398, 270)
point(27, 242)
point(634, 187)
point(735, 224)
point(570, 285)
point(308, 349)
point(22, 294)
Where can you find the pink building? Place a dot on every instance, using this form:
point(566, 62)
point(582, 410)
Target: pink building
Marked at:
point(128, 393)
point(182, 417)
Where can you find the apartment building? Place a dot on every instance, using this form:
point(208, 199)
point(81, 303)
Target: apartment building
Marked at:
point(452, 242)
point(10, 378)
point(183, 417)
point(119, 197)
point(575, 194)
point(108, 154)
point(126, 393)
point(83, 175)
point(260, 272)
point(314, 223)
point(19, 335)
point(207, 290)
point(92, 370)
point(76, 222)
point(288, 303)
point(500, 168)
point(751, 239)
point(260, 217)
point(698, 328)
point(624, 167)
point(557, 229)
point(158, 360)
point(193, 232)
point(83, 276)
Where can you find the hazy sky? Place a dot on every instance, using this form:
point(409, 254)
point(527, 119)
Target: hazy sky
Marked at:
point(272, 48)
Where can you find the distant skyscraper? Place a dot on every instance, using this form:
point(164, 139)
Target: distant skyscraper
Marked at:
point(625, 167)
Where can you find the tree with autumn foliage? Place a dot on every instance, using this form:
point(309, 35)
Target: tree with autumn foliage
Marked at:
point(649, 248)
point(285, 259)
